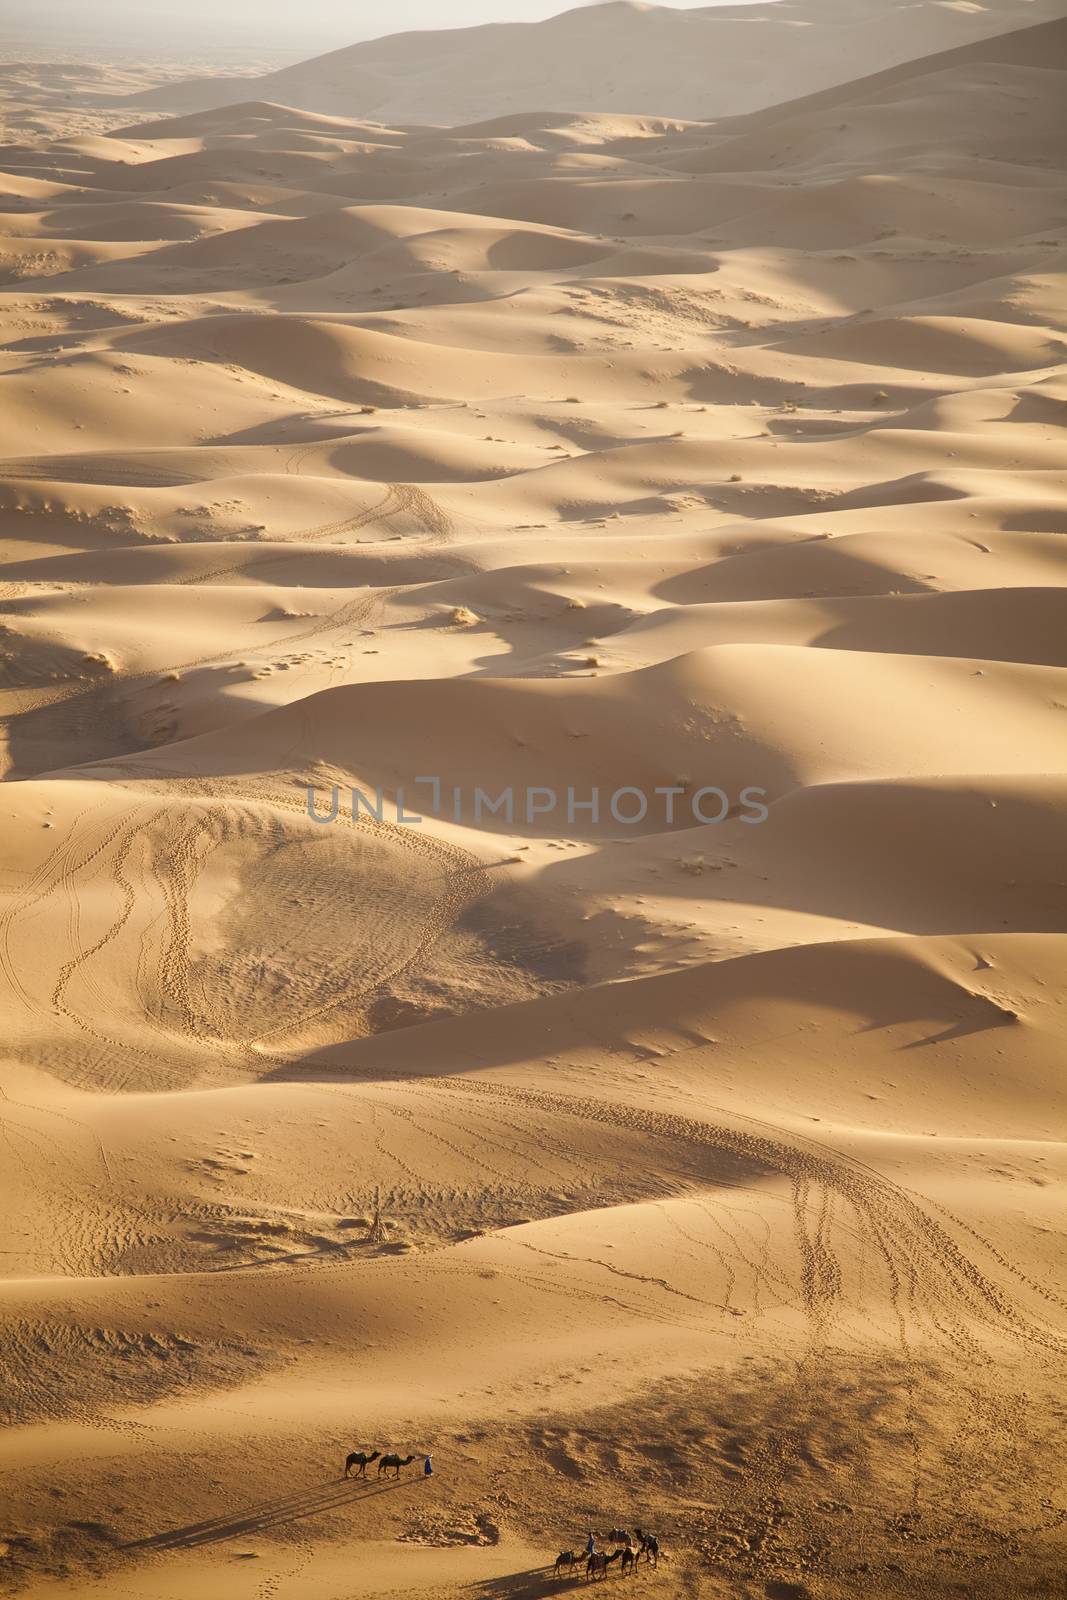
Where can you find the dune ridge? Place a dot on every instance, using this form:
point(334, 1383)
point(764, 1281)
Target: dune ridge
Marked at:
point(619, 55)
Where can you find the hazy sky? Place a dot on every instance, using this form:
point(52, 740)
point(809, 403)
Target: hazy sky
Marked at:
point(299, 27)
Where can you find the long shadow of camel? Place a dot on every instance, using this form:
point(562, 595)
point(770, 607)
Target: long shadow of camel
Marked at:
point(255, 1519)
point(537, 1583)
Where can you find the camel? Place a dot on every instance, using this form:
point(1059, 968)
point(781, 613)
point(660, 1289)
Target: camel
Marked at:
point(566, 1559)
point(649, 1547)
point(620, 1536)
point(360, 1459)
point(628, 1561)
point(598, 1564)
point(393, 1464)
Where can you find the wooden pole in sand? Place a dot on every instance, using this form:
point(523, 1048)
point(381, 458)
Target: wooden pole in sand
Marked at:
point(377, 1227)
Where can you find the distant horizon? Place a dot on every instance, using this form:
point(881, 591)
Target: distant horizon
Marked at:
point(200, 29)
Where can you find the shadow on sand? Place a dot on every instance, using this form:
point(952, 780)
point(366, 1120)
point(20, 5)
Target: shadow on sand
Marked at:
point(533, 1584)
point(330, 1496)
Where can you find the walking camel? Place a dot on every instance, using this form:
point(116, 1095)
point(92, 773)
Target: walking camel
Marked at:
point(598, 1564)
point(566, 1561)
point(649, 1547)
point(360, 1459)
point(393, 1464)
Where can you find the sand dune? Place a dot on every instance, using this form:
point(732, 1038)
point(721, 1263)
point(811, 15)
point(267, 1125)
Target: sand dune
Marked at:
point(637, 57)
point(692, 1154)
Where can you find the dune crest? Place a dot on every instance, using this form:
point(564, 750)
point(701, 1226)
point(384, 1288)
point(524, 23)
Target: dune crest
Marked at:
point(619, 55)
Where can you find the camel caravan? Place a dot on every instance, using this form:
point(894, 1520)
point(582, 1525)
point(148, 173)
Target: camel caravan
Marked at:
point(388, 1465)
point(629, 1550)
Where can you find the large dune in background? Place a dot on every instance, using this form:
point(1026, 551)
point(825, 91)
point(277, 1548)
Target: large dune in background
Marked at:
point(622, 55)
point(719, 1163)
